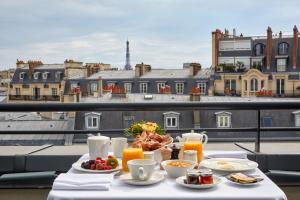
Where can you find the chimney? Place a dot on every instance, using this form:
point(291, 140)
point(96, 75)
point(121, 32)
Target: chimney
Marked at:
point(234, 32)
point(295, 47)
point(280, 34)
point(269, 47)
point(141, 69)
point(194, 69)
point(32, 64)
point(216, 35)
point(20, 63)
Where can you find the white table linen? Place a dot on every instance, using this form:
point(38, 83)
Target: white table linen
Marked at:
point(168, 189)
point(73, 181)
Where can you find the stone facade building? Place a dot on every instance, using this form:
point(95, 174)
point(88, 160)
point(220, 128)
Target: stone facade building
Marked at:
point(256, 65)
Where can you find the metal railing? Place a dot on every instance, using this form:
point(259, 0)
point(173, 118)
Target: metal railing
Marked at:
point(155, 106)
point(34, 98)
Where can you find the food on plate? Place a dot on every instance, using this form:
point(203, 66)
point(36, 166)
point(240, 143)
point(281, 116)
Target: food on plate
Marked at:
point(179, 164)
point(150, 141)
point(101, 164)
point(242, 178)
point(138, 128)
point(225, 165)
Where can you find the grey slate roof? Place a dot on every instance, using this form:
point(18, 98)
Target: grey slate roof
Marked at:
point(118, 74)
point(32, 121)
point(51, 68)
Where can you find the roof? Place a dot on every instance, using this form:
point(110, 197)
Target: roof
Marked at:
point(114, 74)
point(47, 66)
point(137, 97)
point(51, 78)
point(167, 73)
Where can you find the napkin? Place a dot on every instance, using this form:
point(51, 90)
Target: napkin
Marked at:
point(225, 154)
point(83, 182)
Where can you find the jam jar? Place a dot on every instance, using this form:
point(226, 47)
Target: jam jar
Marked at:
point(192, 176)
point(206, 176)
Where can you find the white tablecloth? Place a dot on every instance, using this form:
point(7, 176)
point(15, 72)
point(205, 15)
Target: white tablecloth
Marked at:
point(168, 189)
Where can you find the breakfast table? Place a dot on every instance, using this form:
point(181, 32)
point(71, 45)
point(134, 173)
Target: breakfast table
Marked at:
point(169, 189)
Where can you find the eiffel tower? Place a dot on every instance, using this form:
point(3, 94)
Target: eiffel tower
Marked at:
point(127, 65)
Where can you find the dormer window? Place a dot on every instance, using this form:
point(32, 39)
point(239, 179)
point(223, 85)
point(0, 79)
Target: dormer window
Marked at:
point(45, 75)
point(223, 119)
point(57, 75)
point(283, 48)
point(36, 75)
point(259, 49)
point(171, 120)
point(94, 87)
point(297, 118)
point(92, 120)
point(22, 75)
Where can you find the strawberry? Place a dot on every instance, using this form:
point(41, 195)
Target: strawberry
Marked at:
point(98, 158)
point(110, 156)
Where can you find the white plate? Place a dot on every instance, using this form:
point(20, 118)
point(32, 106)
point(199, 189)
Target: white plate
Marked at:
point(155, 178)
point(229, 164)
point(258, 180)
point(180, 181)
point(77, 166)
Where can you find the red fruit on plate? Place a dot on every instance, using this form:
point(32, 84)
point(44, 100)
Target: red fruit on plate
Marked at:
point(110, 156)
point(103, 161)
point(98, 158)
point(109, 167)
point(93, 166)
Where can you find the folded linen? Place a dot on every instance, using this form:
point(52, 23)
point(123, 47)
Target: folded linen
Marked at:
point(225, 154)
point(83, 182)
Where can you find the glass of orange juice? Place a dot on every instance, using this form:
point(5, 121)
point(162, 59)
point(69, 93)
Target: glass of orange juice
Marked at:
point(130, 154)
point(194, 145)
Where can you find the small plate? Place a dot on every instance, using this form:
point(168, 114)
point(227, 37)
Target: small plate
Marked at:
point(77, 166)
point(155, 178)
point(181, 181)
point(229, 164)
point(258, 180)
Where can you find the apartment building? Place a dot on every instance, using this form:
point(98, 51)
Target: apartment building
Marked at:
point(256, 65)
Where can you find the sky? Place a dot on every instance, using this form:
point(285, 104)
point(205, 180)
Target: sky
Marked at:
point(162, 33)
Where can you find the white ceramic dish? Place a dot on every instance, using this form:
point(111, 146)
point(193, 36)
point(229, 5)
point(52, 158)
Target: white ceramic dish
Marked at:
point(258, 180)
point(181, 181)
point(175, 172)
point(155, 178)
point(157, 154)
point(229, 164)
point(77, 166)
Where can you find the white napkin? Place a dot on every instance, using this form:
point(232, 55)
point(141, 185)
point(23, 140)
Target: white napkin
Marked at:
point(83, 182)
point(225, 154)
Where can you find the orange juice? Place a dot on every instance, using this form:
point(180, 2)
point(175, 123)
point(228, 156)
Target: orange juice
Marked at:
point(194, 145)
point(130, 154)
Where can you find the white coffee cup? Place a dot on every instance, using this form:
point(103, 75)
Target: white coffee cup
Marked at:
point(118, 144)
point(98, 146)
point(141, 169)
point(149, 155)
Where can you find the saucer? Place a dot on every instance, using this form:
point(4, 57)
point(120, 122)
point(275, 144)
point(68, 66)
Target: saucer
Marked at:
point(155, 178)
point(181, 181)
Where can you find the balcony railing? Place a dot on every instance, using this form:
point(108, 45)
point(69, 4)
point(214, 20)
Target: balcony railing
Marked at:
point(166, 106)
point(34, 98)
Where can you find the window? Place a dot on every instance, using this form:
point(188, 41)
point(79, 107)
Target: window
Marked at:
point(171, 120)
point(94, 87)
point(246, 86)
point(223, 119)
point(45, 75)
point(283, 48)
point(259, 49)
point(54, 91)
point(281, 65)
point(297, 118)
point(143, 87)
point(21, 75)
point(262, 84)
point(57, 75)
point(74, 85)
point(254, 85)
point(267, 121)
point(179, 88)
point(160, 85)
point(280, 86)
point(127, 87)
point(230, 84)
point(18, 91)
point(202, 87)
point(36, 75)
point(92, 120)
